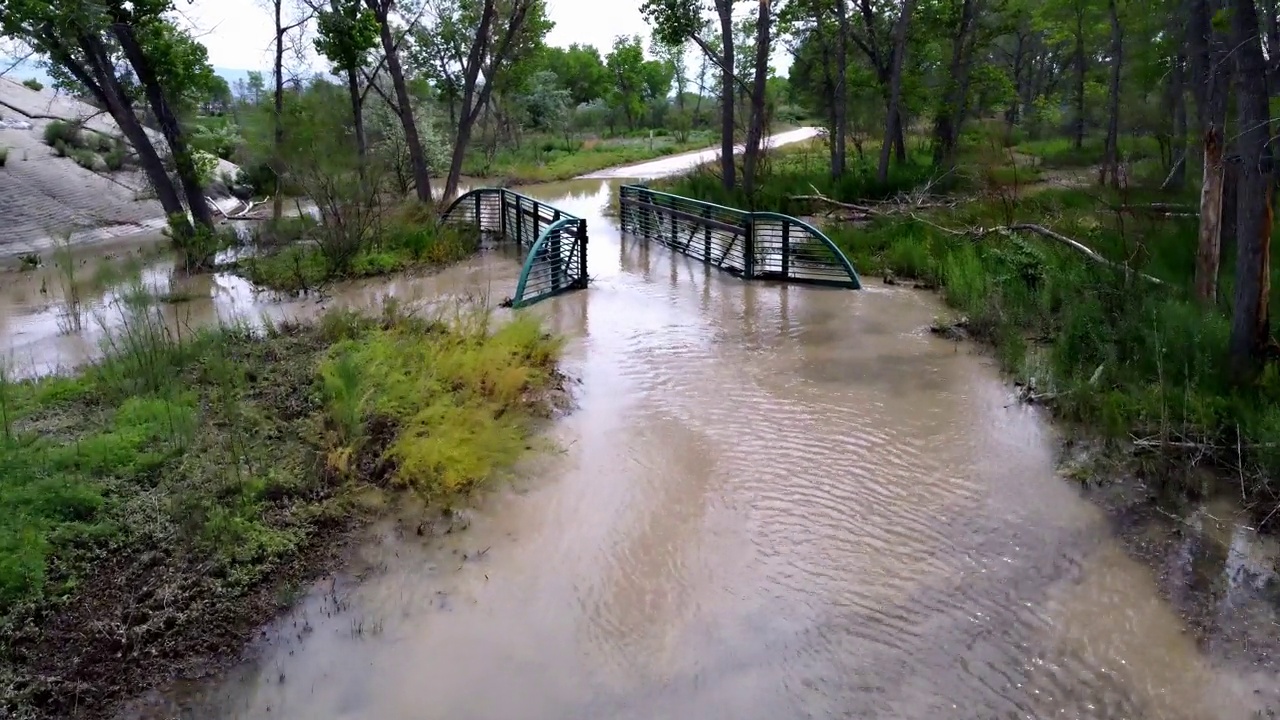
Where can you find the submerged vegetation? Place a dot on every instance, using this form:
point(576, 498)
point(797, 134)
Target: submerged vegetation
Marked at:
point(161, 493)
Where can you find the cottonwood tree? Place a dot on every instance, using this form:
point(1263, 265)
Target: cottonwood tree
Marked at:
point(468, 47)
point(391, 38)
point(347, 33)
point(681, 21)
point(84, 41)
point(1251, 318)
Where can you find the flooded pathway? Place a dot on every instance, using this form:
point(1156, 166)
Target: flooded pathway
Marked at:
point(772, 502)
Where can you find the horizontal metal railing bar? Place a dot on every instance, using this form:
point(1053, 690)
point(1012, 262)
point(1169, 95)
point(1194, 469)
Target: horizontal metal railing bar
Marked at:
point(759, 245)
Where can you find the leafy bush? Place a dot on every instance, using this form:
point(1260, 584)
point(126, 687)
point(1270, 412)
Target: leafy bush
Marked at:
point(60, 131)
point(33, 84)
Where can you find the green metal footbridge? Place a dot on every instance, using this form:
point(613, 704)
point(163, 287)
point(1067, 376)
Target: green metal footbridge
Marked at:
point(750, 245)
point(557, 241)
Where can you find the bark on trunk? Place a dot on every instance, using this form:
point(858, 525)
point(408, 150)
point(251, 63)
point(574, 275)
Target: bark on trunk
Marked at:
point(1272, 23)
point(840, 99)
point(1207, 252)
point(277, 158)
point(727, 171)
point(99, 76)
point(1078, 137)
point(357, 117)
point(951, 114)
point(199, 208)
point(404, 109)
point(1213, 109)
point(1250, 321)
point(1111, 149)
point(756, 128)
point(892, 122)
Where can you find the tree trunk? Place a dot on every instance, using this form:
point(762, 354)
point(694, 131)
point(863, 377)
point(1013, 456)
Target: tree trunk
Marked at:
point(99, 75)
point(277, 157)
point(756, 127)
point(471, 104)
point(951, 113)
point(1078, 137)
point(893, 121)
point(1177, 179)
point(1272, 23)
point(1250, 321)
point(727, 170)
point(840, 98)
point(1111, 149)
point(1230, 200)
point(201, 213)
point(1213, 109)
point(417, 157)
point(357, 117)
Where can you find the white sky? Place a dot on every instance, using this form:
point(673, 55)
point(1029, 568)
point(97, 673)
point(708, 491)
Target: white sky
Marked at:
point(238, 33)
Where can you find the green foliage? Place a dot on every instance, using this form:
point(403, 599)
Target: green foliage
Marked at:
point(33, 84)
point(211, 461)
point(580, 70)
point(60, 131)
point(346, 34)
point(220, 138)
point(635, 80)
point(403, 243)
point(1122, 355)
point(457, 398)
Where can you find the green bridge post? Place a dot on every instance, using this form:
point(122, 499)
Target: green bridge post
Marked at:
point(749, 249)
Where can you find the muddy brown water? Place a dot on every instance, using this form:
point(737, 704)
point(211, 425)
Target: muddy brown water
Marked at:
point(770, 502)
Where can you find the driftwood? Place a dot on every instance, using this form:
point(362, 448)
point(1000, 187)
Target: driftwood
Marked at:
point(977, 233)
point(239, 214)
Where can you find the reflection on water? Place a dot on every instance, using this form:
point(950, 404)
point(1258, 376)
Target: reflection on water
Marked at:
point(772, 502)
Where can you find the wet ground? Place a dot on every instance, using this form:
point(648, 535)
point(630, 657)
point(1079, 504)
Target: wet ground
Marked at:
point(771, 502)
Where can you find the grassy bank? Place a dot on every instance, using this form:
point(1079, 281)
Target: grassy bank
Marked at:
point(547, 159)
point(162, 496)
point(297, 254)
point(1131, 358)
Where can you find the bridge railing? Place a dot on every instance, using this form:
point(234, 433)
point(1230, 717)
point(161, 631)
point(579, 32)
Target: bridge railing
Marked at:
point(758, 246)
point(557, 240)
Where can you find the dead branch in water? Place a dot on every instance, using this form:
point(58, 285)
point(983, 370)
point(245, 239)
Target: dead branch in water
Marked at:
point(239, 214)
point(885, 210)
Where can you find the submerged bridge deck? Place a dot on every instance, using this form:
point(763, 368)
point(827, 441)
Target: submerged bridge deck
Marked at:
point(557, 241)
point(751, 245)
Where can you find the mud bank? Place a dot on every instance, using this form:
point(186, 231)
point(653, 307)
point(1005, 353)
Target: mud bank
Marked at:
point(173, 495)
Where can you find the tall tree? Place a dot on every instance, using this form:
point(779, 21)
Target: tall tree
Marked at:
point(892, 120)
point(402, 105)
point(470, 49)
point(1251, 320)
point(1111, 145)
point(759, 85)
point(347, 33)
point(679, 21)
point(1211, 68)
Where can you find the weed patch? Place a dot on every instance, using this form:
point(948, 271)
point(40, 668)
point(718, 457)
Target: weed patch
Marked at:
point(295, 261)
point(160, 493)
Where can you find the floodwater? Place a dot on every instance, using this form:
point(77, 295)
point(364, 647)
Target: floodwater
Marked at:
point(770, 502)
